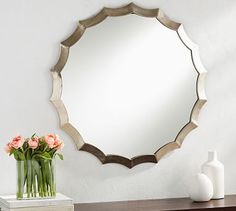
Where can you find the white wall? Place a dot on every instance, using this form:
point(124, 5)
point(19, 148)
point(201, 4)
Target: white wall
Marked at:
point(30, 34)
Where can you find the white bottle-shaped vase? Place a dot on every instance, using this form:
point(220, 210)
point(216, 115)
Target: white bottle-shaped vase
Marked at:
point(214, 169)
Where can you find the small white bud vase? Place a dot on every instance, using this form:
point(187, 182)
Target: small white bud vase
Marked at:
point(201, 188)
point(214, 169)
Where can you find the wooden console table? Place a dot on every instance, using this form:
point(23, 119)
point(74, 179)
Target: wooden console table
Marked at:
point(228, 203)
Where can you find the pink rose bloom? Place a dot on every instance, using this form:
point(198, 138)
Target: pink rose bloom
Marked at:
point(58, 144)
point(50, 139)
point(8, 148)
point(17, 142)
point(33, 142)
point(53, 141)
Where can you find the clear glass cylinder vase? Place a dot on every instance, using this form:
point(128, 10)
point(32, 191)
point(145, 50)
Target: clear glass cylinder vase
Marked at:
point(36, 179)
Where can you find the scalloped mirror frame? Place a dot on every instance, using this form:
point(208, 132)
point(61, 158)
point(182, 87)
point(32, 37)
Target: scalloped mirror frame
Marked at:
point(57, 85)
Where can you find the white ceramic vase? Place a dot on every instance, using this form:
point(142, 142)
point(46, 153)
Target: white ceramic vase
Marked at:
point(201, 188)
point(214, 169)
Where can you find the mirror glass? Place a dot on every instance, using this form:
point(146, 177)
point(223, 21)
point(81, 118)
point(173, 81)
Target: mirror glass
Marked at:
point(129, 85)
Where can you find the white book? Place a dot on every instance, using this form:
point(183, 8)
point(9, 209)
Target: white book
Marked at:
point(47, 208)
point(60, 203)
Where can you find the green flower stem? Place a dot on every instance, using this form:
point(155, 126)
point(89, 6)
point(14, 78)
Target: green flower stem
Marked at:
point(53, 191)
point(45, 189)
point(20, 180)
point(40, 183)
point(34, 194)
point(29, 178)
point(38, 176)
point(49, 176)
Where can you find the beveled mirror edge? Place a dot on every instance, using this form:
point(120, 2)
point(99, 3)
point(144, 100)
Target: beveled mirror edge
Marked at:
point(57, 85)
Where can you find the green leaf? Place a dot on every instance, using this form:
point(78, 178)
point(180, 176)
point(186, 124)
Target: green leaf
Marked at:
point(36, 166)
point(12, 151)
point(52, 152)
point(60, 156)
point(44, 155)
point(28, 154)
point(25, 146)
point(19, 155)
point(16, 156)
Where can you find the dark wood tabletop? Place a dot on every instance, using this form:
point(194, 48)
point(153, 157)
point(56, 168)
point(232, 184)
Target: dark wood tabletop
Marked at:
point(228, 203)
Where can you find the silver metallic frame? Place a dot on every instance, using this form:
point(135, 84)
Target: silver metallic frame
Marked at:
point(57, 85)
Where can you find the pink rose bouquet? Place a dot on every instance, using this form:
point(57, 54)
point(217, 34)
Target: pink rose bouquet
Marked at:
point(35, 164)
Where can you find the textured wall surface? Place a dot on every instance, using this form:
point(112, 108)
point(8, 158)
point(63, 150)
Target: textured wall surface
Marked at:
point(30, 34)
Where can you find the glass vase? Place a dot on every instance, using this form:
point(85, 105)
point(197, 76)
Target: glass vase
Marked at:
point(36, 179)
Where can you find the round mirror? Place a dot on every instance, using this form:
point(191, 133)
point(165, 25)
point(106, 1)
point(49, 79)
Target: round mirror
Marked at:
point(129, 88)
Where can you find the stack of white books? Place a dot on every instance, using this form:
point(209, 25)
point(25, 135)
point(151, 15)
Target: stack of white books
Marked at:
point(59, 203)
